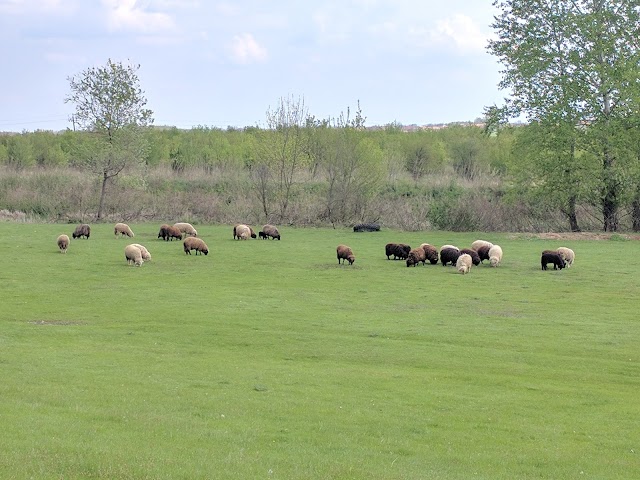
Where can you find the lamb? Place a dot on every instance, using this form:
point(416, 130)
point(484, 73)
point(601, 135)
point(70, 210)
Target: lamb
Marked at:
point(269, 231)
point(475, 258)
point(431, 253)
point(398, 250)
point(122, 229)
point(416, 256)
point(146, 256)
point(345, 253)
point(197, 244)
point(483, 252)
point(186, 228)
point(241, 232)
point(449, 254)
point(464, 262)
point(495, 255)
point(551, 256)
point(567, 255)
point(63, 243)
point(480, 243)
point(133, 255)
point(82, 230)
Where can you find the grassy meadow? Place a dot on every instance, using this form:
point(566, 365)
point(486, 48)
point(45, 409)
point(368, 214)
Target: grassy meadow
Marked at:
point(267, 359)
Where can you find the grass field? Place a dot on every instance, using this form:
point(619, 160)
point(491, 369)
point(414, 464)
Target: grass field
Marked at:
point(267, 359)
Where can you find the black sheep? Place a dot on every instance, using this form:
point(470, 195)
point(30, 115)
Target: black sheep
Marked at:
point(475, 258)
point(449, 255)
point(550, 256)
point(398, 250)
point(483, 252)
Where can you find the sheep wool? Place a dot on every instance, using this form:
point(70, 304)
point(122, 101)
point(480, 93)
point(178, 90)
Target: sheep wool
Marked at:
point(146, 256)
point(567, 255)
point(345, 253)
point(63, 243)
point(475, 258)
point(82, 230)
point(133, 255)
point(463, 264)
point(242, 232)
point(186, 228)
point(480, 243)
point(197, 244)
point(495, 255)
point(270, 231)
point(431, 252)
point(449, 254)
point(122, 229)
point(416, 255)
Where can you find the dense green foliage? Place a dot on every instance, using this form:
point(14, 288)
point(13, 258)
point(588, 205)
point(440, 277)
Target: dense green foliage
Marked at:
point(267, 359)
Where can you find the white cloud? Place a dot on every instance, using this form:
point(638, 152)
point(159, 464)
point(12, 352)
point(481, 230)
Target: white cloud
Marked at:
point(458, 33)
point(244, 49)
point(130, 15)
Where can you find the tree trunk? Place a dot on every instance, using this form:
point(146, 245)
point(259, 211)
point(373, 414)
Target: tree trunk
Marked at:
point(103, 194)
point(571, 214)
point(635, 213)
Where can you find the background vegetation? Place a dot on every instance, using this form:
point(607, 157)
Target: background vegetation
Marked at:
point(456, 178)
point(266, 359)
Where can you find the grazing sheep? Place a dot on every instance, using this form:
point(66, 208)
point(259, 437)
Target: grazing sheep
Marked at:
point(270, 231)
point(146, 256)
point(398, 250)
point(567, 255)
point(449, 254)
point(241, 232)
point(552, 256)
point(186, 228)
point(495, 255)
point(82, 230)
point(122, 229)
point(197, 244)
point(366, 227)
point(480, 243)
point(252, 234)
point(475, 258)
point(431, 252)
point(416, 255)
point(169, 232)
point(63, 243)
point(464, 262)
point(345, 253)
point(483, 252)
point(133, 255)
point(164, 232)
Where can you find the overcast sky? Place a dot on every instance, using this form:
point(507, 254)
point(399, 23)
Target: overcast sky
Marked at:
point(226, 63)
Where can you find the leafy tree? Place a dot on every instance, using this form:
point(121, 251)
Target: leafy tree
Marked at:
point(110, 106)
point(424, 153)
point(574, 62)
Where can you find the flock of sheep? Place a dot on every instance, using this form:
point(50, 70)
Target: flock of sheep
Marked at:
point(136, 254)
point(463, 259)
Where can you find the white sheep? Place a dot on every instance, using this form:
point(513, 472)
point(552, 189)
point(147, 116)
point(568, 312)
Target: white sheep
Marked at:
point(146, 256)
point(567, 255)
point(448, 246)
point(133, 255)
point(480, 243)
point(495, 255)
point(464, 263)
point(186, 228)
point(63, 243)
point(242, 232)
point(122, 229)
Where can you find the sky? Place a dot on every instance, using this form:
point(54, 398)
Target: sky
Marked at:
point(227, 63)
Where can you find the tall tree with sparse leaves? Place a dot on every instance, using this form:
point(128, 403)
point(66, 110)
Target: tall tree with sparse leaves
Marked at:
point(111, 107)
point(575, 62)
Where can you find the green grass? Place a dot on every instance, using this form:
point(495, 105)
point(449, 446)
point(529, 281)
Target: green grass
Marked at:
point(267, 359)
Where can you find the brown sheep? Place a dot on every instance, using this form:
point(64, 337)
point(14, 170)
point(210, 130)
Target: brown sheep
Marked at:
point(269, 231)
point(431, 252)
point(63, 243)
point(475, 258)
point(122, 229)
point(483, 252)
point(163, 233)
point(345, 253)
point(197, 244)
point(416, 255)
point(173, 232)
point(398, 250)
point(82, 230)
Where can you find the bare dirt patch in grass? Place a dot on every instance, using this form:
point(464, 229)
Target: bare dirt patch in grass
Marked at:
point(56, 322)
